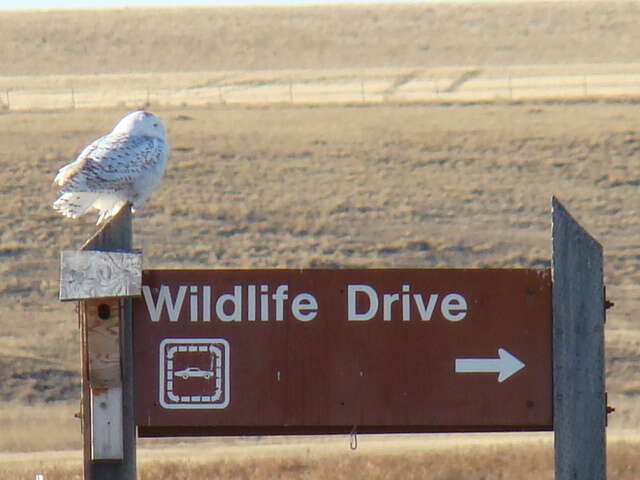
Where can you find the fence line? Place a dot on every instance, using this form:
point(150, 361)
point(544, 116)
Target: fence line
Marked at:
point(342, 91)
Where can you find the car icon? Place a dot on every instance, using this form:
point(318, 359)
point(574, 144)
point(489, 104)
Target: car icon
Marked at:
point(193, 372)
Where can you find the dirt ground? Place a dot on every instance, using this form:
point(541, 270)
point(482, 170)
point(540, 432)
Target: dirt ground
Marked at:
point(387, 185)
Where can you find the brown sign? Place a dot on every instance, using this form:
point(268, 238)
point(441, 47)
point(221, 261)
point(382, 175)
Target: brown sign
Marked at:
point(324, 351)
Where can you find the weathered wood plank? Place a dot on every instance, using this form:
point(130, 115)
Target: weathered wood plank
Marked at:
point(578, 350)
point(115, 235)
point(106, 410)
point(94, 274)
point(103, 337)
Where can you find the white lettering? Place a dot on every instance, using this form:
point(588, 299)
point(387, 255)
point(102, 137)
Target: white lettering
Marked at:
point(193, 302)
point(425, 314)
point(454, 302)
point(251, 303)
point(279, 297)
point(406, 303)
point(164, 298)
point(387, 301)
point(363, 304)
point(303, 302)
point(352, 290)
point(236, 301)
point(264, 303)
point(206, 303)
point(453, 306)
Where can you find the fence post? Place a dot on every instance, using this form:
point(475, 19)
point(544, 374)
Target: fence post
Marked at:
point(116, 235)
point(579, 397)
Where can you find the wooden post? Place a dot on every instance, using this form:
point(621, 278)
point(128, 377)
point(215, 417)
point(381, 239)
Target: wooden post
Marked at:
point(105, 402)
point(579, 397)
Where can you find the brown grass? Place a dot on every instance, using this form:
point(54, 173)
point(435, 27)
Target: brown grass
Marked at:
point(27, 428)
point(477, 463)
point(378, 186)
point(531, 461)
point(211, 39)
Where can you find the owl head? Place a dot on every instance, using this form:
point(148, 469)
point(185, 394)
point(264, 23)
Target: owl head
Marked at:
point(140, 122)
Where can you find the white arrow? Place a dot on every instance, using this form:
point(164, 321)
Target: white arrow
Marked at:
point(505, 366)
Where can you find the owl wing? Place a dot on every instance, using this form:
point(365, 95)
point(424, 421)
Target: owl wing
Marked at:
point(110, 164)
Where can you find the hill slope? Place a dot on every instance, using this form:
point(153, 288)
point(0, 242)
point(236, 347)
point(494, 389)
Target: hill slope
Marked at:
point(209, 39)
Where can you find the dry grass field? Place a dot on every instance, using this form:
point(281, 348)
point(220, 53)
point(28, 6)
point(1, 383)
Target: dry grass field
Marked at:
point(358, 185)
point(421, 457)
point(276, 38)
point(434, 185)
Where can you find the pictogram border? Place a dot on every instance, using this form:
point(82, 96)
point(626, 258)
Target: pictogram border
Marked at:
point(221, 348)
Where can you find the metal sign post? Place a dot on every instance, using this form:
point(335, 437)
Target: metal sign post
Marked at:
point(579, 398)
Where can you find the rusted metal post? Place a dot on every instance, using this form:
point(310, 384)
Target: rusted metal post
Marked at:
point(579, 397)
point(108, 402)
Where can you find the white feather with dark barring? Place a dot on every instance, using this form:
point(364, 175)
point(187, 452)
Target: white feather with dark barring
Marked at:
point(124, 166)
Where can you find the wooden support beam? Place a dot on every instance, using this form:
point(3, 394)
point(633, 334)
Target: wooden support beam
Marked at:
point(579, 397)
point(102, 317)
point(106, 414)
point(102, 320)
point(107, 387)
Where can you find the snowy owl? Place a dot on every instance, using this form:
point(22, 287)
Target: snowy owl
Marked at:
point(123, 166)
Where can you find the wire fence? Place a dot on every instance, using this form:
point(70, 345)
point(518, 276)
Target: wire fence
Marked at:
point(462, 88)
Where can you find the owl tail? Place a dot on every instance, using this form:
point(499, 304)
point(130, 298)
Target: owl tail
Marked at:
point(108, 207)
point(74, 204)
